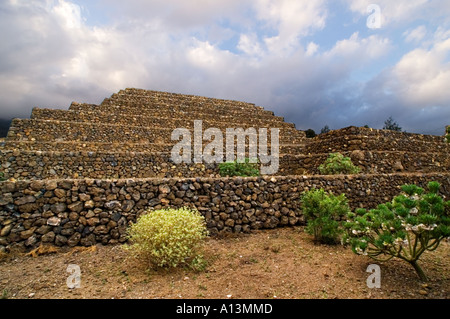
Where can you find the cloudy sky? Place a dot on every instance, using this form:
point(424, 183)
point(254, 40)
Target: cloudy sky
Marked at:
point(315, 62)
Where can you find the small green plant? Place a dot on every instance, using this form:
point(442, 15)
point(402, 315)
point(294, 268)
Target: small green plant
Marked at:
point(323, 212)
point(245, 169)
point(169, 238)
point(336, 163)
point(414, 222)
point(2, 177)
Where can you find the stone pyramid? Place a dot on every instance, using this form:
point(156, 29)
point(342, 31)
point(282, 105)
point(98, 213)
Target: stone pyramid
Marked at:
point(81, 176)
point(128, 136)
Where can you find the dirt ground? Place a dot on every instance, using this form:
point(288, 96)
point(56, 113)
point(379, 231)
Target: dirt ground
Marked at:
point(281, 263)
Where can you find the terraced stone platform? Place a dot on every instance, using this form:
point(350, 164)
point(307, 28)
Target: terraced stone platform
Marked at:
point(80, 176)
point(128, 135)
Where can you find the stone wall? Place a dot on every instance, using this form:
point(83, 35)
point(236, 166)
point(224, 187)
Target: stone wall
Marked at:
point(366, 139)
point(88, 164)
point(155, 109)
point(74, 146)
point(149, 97)
point(43, 130)
point(375, 151)
point(164, 119)
point(370, 162)
point(88, 159)
point(91, 164)
point(86, 212)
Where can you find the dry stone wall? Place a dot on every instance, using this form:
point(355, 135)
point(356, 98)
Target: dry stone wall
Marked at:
point(86, 212)
point(364, 139)
point(170, 120)
point(44, 130)
point(89, 164)
point(149, 97)
point(370, 162)
point(223, 115)
point(114, 148)
point(376, 151)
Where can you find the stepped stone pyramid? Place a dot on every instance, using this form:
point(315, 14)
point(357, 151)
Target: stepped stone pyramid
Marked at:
point(81, 176)
point(128, 135)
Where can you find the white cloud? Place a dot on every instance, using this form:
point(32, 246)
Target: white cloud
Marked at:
point(415, 35)
point(422, 76)
point(205, 56)
point(311, 49)
point(69, 14)
point(250, 45)
point(357, 50)
point(415, 89)
point(291, 19)
point(57, 55)
point(441, 34)
point(391, 11)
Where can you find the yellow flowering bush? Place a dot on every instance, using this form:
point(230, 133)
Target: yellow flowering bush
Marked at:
point(169, 237)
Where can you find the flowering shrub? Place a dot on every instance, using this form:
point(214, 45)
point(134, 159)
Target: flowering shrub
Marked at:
point(169, 237)
point(336, 163)
point(323, 211)
point(414, 222)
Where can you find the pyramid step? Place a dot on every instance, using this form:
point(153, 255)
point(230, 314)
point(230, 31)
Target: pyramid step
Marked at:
point(151, 102)
point(146, 121)
point(172, 96)
point(47, 130)
point(116, 147)
point(163, 110)
point(100, 165)
point(371, 162)
point(204, 108)
point(176, 99)
point(168, 112)
point(354, 138)
point(104, 165)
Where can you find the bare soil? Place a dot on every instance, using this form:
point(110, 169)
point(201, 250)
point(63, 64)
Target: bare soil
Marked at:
point(282, 263)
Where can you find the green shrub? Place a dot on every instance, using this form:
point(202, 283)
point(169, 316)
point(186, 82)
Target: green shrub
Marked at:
point(245, 169)
point(2, 177)
point(310, 133)
point(323, 212)
point(169, 237)
point(336, 163)
point(411, 224)
point(391, 125)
